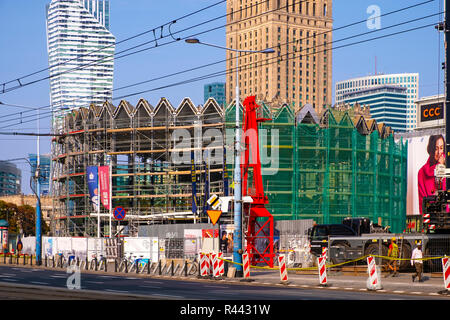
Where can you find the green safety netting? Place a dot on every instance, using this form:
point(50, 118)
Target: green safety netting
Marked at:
point(329, 171)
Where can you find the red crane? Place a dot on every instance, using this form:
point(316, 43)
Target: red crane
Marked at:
point(259, 221)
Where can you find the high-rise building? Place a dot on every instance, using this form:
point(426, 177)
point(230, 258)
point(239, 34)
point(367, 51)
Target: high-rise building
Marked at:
point(215, 90)
point(44, 172)
point(410, 81)
point(387, 104)
point(299, 72)
point(10, 178)
point(78, 39)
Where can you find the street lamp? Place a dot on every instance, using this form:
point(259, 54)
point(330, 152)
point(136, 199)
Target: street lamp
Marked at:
point(237, 245)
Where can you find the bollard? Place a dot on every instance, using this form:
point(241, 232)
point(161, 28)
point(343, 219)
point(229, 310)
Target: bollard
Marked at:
point(171, 268)
point(24, 260)
point(10, 259)
point(17, 259)
point(106, 265)
point(31, 260)
point(126, 266)
point(95, 264)
point(185, 268)
point(45, 260)
point(149, 266)
point(159, 267)
point(4, 258)
point(137, 266)
point(86, 265)
point(53, 261)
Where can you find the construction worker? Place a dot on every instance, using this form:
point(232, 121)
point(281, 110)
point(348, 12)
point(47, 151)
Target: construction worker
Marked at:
point(393, 255)
point(417, 262)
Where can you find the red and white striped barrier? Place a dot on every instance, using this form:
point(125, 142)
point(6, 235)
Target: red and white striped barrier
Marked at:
point(282, 266)
point(373, 281)
point(446, 272)
point(322, 271)
point(215, 264)
point(324, 252)
point(204, 264)
point(221, 267)
point(246, 265)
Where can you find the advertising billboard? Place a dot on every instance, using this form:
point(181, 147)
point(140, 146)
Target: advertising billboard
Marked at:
point(424, 153)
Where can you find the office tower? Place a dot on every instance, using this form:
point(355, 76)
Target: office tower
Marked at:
point(387, 104)
point(44, 172)
point(299, 72)
point(215, 90)
point(10, 179)
point(78, 38)
point(410, 81)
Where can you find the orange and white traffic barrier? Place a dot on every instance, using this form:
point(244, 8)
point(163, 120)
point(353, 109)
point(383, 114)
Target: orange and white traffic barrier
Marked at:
point(446, 272)
point(246, 265)
point(221, 265)
point(282, 267)
point(322, 271)
point(373, 281)
point(204, 264)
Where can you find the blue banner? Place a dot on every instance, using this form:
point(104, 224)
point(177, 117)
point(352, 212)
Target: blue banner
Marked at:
point(92, 181)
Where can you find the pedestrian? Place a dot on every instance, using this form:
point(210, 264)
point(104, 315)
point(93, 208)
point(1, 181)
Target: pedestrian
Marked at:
point(416, 260)
point(393, 255)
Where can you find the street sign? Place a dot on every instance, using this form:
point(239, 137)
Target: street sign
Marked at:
point(119, 213)
point(214, 202)
point(214, 215)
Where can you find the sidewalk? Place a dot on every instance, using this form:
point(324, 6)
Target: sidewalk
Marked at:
point(402, 284)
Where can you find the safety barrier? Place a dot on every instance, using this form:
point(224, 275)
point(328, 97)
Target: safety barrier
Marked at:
point(373, 281)
point(322, 271)
point(283, 270)
point(446, 272)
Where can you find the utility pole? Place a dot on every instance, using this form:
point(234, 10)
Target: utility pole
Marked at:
point(38, 202)
point(446, 28)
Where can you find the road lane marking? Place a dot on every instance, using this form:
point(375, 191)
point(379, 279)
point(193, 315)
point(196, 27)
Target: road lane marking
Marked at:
point(167, 295)
point(150, 287)
point(116, 291)
point(38, 282)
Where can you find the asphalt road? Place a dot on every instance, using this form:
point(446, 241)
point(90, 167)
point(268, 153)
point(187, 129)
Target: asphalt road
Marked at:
point(112, 286)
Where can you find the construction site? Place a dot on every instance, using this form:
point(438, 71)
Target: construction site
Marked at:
point(167, 161)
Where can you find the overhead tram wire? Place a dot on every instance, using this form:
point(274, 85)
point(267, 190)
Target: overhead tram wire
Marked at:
point(103, 60)
point(221, 61)
point(283, 55)
point(115, 44)
point(220, 73)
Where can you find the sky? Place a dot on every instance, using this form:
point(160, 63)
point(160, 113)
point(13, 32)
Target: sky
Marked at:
point(23, 50)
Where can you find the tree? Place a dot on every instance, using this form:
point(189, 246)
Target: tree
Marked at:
point(21, 217)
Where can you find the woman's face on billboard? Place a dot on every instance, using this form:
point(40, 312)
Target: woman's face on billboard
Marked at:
point(439, 152)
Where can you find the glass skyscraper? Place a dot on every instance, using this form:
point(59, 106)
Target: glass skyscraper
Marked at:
point(10, 178)
point(215, 90)
point(409, 81)
point(387, 104)
point(81, 54)
point(44, 166)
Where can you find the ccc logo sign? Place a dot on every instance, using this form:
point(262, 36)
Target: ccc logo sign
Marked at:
point(432, 112)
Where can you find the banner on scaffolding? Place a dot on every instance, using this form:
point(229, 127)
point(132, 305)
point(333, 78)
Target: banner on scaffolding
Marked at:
point(92, 181)
point(194, 184)
point(103, 173)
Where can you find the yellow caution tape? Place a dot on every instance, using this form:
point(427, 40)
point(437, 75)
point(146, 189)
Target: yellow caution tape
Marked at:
point(334, 265)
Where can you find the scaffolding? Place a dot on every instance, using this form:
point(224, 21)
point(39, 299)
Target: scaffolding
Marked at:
point(330, 166)
point(323, 167)
point(149, 150)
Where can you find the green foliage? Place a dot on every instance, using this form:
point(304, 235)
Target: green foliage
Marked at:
point(21, 216)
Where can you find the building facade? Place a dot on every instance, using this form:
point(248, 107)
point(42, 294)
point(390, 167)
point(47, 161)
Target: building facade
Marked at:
point(410, 81)
point(78, 37)
point(10, 179)
point(299, 72)
point(387, 104)
point(215, 90)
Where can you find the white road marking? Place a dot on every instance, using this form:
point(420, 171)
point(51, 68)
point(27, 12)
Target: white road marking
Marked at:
point(38, 282)
point(167, 295)
point(116, 291)
point(9, 279)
